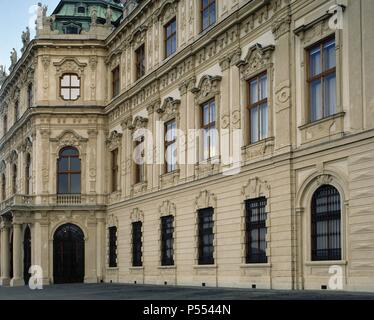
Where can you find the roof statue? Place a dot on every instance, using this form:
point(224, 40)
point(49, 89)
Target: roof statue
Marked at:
point(3, 74)
point(25, 39)
point(128, 6)
point(108, 15)
point(13, 59)
point(93, 17)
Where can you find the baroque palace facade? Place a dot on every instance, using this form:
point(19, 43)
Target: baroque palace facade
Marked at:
point(286, 83)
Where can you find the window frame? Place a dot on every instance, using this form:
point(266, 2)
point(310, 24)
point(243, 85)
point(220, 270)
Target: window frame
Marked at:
point(321, 76)
point(204, 231)
point(14, 178)
point(167, 144)
point(260, 204)
point(116, 82)
point(137, 244)
point(257, 105)
point(30, 95)
point(16, 111)
point(139, 168)
point(167, 233)
point(114, 170)
point(28, 174)
point(69, 172)
point(331, 216)
point(70, 87)
point(112, 254)
point(140, 67)
point(202, 9)
point(209, 126)
point(173, 36)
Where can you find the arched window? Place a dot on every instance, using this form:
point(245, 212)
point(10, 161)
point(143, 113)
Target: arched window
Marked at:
point(14, 178)
point(326, 224)
point(28, 171)
point(3, 187)
point(70, 87)
point(69, 172)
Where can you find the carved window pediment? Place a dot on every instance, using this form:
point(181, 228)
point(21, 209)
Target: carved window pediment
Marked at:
point(206, 199)
point(258, 59)
point(256, 188)
point(114, 140)
point(169, 109)
point(167, 208)
point(168, 11)
point(13, 157)
point(70, 65)
point(139, 123)
point(207, 88)
point(137, 215)
point(69, 138)
point(2, 166)
point(139, 34)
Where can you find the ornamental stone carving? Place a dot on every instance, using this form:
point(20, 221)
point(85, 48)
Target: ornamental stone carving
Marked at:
point(137, 215)
point(114, 140)
point(205, 199)
point(167, 208)
point(256, 188)
point(168, 11)
point(169, 109)
point(69, 138)
point(258, 59)
point(207, 88)
point(69, 65)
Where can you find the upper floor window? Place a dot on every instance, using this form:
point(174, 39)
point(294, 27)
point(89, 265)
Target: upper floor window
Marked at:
point(3, 187)
point(81, 9)
point(112, 247)
point(139, 160)
point(114, 155)
point(28, 174)
point(322, 80)
point(70, 86)
point(16, 111)
point(115, 82)
point(258, 108)
point(140, 62)
point(30, 95)
point(170, 145)
point(326, 224)
point(209, 129)
point(256, 230)
point(208, 13)
point(206, 236)
point(137, 244)
point(69, 171)
point(170, 37)
point(14, 178)
point(5, 124)
point(71, 28)
point(167, 241)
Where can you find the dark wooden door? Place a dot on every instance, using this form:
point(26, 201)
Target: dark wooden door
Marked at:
point(68, 254)
point(26, 255)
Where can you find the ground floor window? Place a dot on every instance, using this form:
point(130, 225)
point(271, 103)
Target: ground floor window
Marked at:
point(137, 244)
point(206, 236)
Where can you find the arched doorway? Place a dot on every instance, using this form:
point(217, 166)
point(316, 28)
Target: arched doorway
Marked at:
point(26, 254)
point(68, 254)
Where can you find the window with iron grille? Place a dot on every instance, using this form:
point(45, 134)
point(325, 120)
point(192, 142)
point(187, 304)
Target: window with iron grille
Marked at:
point(206, 236)
point(208, 13)
point(137, 244)
point(170, 37)
point(322, 79)
point(326, 224)
point(167, 241)
point(112, 247)
point(256, 230)
point(140, 61)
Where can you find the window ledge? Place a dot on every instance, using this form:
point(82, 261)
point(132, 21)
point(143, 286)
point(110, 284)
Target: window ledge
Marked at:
point(112, 268)
point(326, 263)
point(323, 120)
point(205, 266)
point(136, 268)
point(167, 267)
point(255, 265)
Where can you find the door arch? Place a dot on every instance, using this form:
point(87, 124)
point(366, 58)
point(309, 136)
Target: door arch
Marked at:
point(26, 254)
point(68, 254)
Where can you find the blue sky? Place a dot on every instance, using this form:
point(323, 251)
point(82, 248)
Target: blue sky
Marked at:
point(15, 16)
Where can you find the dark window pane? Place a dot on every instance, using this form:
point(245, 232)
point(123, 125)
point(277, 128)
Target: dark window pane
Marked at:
point(75, 183)
point(75, 164)
point(63, 164)
point(62, 183)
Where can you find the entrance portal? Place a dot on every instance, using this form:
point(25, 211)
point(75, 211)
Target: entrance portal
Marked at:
point(68, 254)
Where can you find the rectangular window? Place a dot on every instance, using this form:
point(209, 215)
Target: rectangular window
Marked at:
point(112, 247)
point(258, 108)
point(114, 155)
point(206, 236)
point(170, 145)
point(115, 82)
point(70, 87)
point(322, 80)
point(256, 230)
point(140, 61)
point(16, 111)
point(139, 160)
point(137, 244)
point(170, 38)
point(208, 13)
point(30, 95)
point(167, 241)
point(209, 133)
point(5, 125)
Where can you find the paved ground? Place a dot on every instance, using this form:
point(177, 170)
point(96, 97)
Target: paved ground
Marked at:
point(151, 292)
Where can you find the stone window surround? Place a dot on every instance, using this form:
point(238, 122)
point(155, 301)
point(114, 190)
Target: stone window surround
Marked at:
point(136, 215)
point(167, 208)
point(253, 189)
point(114, 141)
point(307, 36)
point(111, 221)
point(303, 214)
